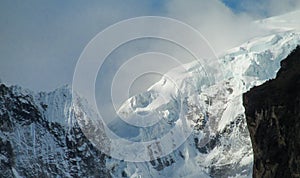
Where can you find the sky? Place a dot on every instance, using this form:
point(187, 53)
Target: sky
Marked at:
point(41, 41)
point(262, 8)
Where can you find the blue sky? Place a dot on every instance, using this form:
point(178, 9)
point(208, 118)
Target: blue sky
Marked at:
point(262, 8)
point(233, 4)
point(40, 41)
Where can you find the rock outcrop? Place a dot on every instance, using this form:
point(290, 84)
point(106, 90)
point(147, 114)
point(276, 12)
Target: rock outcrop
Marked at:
point(273, 117)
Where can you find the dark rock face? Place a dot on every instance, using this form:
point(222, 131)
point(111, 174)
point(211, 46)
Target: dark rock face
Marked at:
point(273, 117)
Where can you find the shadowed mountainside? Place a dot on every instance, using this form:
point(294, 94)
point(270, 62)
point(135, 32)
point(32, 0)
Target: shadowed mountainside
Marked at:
point(273, 117)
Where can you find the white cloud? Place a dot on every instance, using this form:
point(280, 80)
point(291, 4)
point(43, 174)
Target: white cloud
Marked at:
point(222, 28)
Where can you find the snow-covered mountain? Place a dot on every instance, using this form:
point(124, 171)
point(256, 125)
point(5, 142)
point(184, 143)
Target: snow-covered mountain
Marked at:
point(39, 138)
point(220, 144)
point(40, 134)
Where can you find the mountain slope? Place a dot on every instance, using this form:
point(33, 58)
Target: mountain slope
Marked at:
point(32, 142)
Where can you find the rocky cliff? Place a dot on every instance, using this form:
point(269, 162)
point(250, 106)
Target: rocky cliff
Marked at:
point(273, 117)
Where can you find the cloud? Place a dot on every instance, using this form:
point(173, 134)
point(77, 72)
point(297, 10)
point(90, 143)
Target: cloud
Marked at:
point(217, 23)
